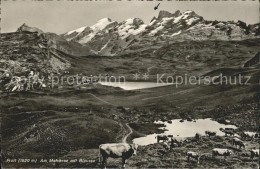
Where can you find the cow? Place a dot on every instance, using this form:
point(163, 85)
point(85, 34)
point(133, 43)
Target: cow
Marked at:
point(194, 155)
point(238, 142)
point(167, 148)
point(161, 137)
point(251, 135)
point(198, 136)
point(116, 150)
point(228, 131)
point(253, 153)
point(177, 141)
point(221, 152)
point(210, 133)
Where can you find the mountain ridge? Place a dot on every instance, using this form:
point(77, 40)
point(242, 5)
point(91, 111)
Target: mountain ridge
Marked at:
point(132, 34)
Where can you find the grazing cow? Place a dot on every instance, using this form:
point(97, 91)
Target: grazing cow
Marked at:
point(166, 146)
point(221, 152)
point(238, 142)
point(210, 133)
point(254, 153)
point(161, 137)
point(228, 131)
point(198, 136)
point(194, 155)
point(116, 150)
point(251, 135)
point(167, 149)
point(177, 141)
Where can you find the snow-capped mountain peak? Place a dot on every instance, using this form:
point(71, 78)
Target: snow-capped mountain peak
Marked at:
point(101, 24)
point(86, 33)
point(79, 30)
point(172, 23)
point(131, 26)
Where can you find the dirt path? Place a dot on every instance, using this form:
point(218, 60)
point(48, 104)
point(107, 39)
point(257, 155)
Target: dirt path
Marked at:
point(126, 136)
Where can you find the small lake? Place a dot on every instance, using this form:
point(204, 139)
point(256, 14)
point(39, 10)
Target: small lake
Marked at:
point(184, 129)
point(133, 85)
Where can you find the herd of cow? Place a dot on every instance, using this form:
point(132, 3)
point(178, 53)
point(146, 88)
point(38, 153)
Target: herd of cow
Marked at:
point(125, 150)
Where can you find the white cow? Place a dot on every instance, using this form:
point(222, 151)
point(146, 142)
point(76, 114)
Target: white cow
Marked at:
point(221, 152)
point(116, 150)
point(251, 135)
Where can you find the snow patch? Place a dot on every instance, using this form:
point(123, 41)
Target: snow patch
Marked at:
point(129, 21)
point(151, 23)
point(187, 12)
point(191, 20)
point(177, 19)
point(176, 33)
point(99, 26)
point(79, 30)
point(128, 29)
point(166, 20)
point(87, 38)
point(139, 30)
point(104, 46)
point(153, 32)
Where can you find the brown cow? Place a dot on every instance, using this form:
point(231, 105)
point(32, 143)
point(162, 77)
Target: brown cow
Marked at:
point(210, 133)
point(161, 137)
point(238, 142)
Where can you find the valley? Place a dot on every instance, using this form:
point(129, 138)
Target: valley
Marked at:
point(40, 120)
point(48, 124)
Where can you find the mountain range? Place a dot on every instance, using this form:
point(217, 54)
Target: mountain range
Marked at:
point(111, 38)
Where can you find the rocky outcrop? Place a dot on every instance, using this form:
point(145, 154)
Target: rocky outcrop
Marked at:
point(27, 59)
point(254, 29)
point(166, 14)
point(26, 28)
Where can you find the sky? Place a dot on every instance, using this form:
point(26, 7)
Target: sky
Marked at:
point(62, 16)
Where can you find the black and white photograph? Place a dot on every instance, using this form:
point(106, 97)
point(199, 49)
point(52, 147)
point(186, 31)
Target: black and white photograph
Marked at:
point(129, 84)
